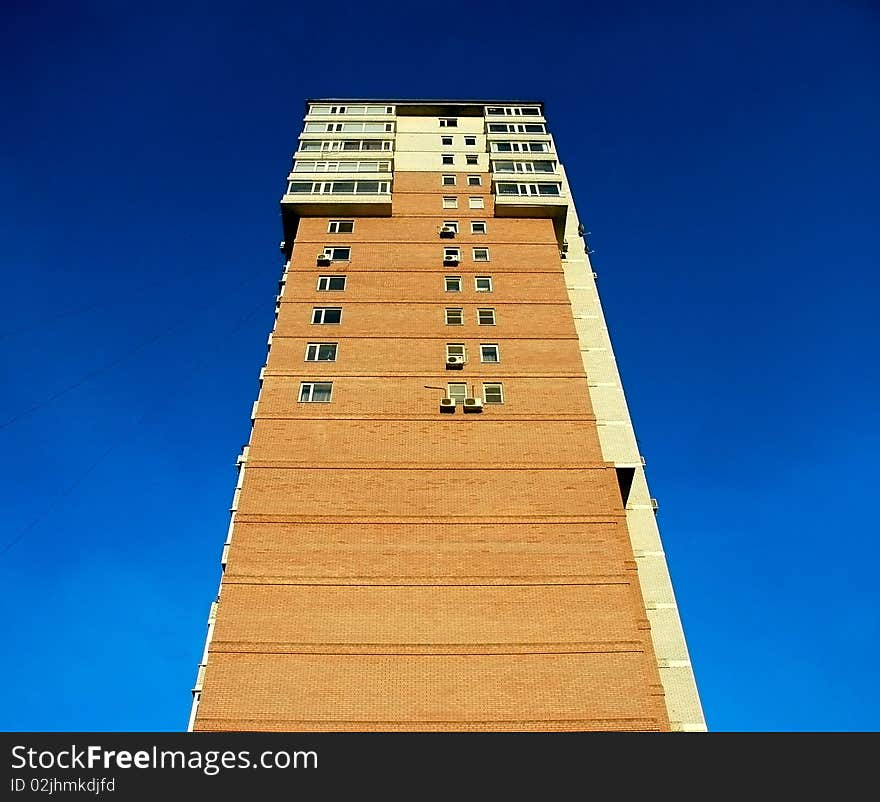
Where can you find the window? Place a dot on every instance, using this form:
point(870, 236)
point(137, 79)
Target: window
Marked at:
point(481, 254)
point(475, 181)
point(455, 317)
point(483, 283)
point(452, 283)
point(470, 141)
point(447, 158)
point(452, 253)
point(345, 166)
point(476, 203)
point(446, 140)
point(478, 226)
point(537, 166)
point(351, 110)
point(338, 254)
point(457, 391)
point(331, 283)
point(321, 352)
point(528, 189)
point(338, 187)
point(471, 158)
point(511, 111)
point(315, 392)
point(493, 393)
point(519, 147)
point(456, 349)
point(448, 180)
point(514, 128)
point(489, 352)
point(450, 203)
point(453, 224)
point(326, 314)
point(340, 227)
point(448, 122)
point(486, 317)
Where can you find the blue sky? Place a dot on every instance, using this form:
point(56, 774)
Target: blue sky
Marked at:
point(724, 157)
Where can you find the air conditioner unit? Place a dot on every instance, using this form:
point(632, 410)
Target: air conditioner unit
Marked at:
point(447, 232)
point(454, 362)
point(447, 405)
point(473, 405)
point(450, 260)
point(323, 259)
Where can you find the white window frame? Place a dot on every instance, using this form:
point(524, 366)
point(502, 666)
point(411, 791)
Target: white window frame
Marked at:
point(444, 143)
point(452, 279)
point(453, 224)
point(459, 398)
point(316, 349)
point(457, 312)
point(486, 311)
point(450, 202)
point(447, 159)
point(456, 252)
point(472, 144)
point(500, 387)
point(529, 190)
point(476, 254)
point(497, 353)
point(449, 122)
point(475, 227)
point(478, 279)
point(320, 312)
point(471, 159)
point(447, 180)
point(330, 253)
point(326, 280)
point(308, 389)
point(334, 225)
point(474, 181)
point(476, 202)
point(456, 349)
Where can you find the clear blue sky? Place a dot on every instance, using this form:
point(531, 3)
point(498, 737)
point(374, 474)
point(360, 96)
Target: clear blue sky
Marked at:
point(725, 158)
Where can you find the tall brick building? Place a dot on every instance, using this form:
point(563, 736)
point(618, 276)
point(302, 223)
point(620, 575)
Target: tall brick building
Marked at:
point(441, 520)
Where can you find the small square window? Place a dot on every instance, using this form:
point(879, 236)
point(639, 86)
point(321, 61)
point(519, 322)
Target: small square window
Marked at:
point(455, 317)
point(452, 283)
point(321, 352)
point(481, 254)
point(448, 180)
point(475, 181)
point(450, 203)
point(493, 393)
point(457, 390)
point(478, 226)
point(489, 353)
point(476, 203)
point(340, 227)
point(452, 253)
point(456, 349)
point(483, 283)
point(315, 392)
point(470, 141)
point(486, 317)
point(448, 122)
point(471, 158)
point(331, 283)
point(447, 158)
point(446, 140)
point(326, 315)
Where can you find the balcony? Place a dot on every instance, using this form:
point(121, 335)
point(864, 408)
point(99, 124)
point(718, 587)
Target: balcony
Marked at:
point(343, 195)
point(534, 199)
